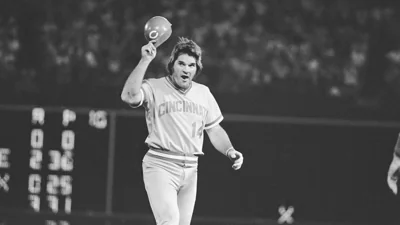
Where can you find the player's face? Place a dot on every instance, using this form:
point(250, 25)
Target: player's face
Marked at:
point(184, 71)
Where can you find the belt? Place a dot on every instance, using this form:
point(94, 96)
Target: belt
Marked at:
point(176, 157)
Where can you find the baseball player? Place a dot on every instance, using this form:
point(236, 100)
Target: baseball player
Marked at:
point(393, 173)
point(178, 110)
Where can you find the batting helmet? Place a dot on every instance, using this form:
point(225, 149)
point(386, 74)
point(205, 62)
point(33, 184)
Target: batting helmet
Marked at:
point(157, 29)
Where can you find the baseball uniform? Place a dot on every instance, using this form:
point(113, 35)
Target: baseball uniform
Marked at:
point(175, 120)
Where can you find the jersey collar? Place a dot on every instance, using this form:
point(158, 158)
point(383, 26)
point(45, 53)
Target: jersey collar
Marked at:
point(171, 83)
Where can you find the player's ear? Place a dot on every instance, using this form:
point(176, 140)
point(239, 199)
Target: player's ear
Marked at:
point(170, 71)
point(170, 66)
point(199, 67)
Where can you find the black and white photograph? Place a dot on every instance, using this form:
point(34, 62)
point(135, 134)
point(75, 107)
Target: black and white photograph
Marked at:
point(199, 112)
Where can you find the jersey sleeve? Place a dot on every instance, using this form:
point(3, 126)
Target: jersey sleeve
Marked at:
point(147, 95)
point(214, 115)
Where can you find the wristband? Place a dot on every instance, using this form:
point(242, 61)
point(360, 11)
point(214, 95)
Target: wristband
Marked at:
point(396, 159)
point(229, 149)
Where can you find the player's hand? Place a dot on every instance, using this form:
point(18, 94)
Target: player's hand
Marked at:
point(393, 174)
point(237, 158)
point(392, 182)
point(149, 52)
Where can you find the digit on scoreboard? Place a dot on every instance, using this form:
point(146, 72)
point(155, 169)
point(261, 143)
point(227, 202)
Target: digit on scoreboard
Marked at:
point(35, 202)
point(4, 153)
point(37, 137)
point(35, 162)
point(98, 119)
point(68, 117)
point(34, 183)
point(38, 116)
point(68, 140)
point(53, 203)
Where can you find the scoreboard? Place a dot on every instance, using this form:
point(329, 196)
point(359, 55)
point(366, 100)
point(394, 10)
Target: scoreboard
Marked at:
point(54, 160)
point(64, 166)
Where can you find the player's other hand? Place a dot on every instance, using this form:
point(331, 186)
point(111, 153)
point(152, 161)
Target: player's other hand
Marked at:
point(149, 52)
point(392, 182)
point(237, 158)
point(393, 174)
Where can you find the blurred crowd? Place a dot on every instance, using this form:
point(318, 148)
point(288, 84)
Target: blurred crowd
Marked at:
point(81, 51)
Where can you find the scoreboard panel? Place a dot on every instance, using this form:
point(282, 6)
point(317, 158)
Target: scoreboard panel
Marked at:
point(65, 165)
point(53, 160)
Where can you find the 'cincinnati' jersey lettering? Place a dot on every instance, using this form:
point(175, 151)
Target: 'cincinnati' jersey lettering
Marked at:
point(181, 106)
point(176, 121)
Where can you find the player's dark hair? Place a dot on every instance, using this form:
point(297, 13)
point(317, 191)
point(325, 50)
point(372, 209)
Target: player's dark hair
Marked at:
point(185, 46)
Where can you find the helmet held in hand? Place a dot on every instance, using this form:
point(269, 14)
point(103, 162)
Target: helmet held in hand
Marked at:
point(157, 29)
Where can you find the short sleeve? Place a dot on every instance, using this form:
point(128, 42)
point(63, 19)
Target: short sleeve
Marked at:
point(147, 95)
point(214, 115)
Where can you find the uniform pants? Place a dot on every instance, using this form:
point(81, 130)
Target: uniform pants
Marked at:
point(171, 189)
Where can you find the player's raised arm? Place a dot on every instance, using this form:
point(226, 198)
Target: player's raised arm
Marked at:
point(131, 93)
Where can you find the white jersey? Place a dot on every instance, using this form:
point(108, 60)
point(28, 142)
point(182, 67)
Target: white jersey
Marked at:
point(176, 120)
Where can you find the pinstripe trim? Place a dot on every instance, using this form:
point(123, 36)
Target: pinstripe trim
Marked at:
point(173, 157)
point(169, 152)
point(215, 122)
point(172, 160)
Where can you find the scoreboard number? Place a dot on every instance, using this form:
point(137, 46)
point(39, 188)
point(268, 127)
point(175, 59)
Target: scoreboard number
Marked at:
point(38, 116)
point(53, 203)
point(35, 162)
point(61, 161)
point(35, 202)
point(42, 159)
point(34, 183)
point(37, 137)
point(68, 116)
point(55, 182)
point(68, 140)
point(98, 119)
point(4, 153)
